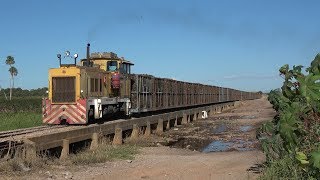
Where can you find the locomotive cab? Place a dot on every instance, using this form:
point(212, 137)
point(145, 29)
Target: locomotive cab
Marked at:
point(117, 81)
point(117, 69)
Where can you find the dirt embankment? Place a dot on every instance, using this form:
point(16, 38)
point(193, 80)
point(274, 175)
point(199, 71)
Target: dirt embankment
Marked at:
point(220, 147)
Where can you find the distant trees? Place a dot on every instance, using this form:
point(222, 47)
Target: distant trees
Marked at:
point(13, 72)
point(24, 93)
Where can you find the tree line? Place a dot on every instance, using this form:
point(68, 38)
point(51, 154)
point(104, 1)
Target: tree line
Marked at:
point(21, 93)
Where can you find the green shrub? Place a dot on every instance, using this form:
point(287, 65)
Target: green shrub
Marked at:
point(295, 131)
point(284, 168)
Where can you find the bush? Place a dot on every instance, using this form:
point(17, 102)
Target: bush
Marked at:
point(284, 168)
point(291, 140)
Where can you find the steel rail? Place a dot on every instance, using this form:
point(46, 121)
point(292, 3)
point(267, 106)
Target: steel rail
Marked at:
point(17, 132)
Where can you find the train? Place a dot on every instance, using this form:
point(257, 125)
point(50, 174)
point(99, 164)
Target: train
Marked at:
point(102, 85)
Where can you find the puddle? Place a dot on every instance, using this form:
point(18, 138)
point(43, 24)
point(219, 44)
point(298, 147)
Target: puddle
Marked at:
point(189, 143)
point(234, 117)
point(219, 146)
point(226, 117)
point(207, 145)
point(220, 129)
point(248, 117)
point(245, 128)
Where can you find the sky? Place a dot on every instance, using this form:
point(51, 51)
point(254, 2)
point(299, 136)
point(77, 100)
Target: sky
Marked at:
point(230, 43)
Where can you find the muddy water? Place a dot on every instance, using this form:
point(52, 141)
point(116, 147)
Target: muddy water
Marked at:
point(207, 145)
point(245, 128)
point(222, 135)
point(220, 129)
point(190, 143)
point(218, 146)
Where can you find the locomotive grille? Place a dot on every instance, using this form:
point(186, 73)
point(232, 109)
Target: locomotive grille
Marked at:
point(63, 89)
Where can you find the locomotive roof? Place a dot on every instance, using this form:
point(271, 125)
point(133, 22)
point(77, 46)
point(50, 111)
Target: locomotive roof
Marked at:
point(108, 56)
point(78, 66)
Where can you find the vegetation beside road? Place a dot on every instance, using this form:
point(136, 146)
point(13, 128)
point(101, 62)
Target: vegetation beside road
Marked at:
point(104, 152)
point(23, 104)
point(23, 93)
point(23, 111)
point(18, 120)
point(291, 140)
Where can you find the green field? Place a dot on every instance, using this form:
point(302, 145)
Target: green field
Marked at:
point(17, 120)
point(20, 112)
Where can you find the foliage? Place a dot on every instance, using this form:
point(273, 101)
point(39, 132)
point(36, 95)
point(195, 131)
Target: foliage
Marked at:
point(295, 131)
point(22, 93)
point(284, 168)
point(30, 104)
point(13, 71)
point(10, 60)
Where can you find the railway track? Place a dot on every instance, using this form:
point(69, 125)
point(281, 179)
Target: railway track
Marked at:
point(12, 133)
point(8, 142)
point(62, 135)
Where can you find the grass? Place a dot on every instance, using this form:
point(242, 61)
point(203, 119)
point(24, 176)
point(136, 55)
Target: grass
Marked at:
point(283, 168)
point(105, 153)
point(17, 120)
point(21, 166)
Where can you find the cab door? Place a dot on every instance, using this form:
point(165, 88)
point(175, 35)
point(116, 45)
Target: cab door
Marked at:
point(125, 70)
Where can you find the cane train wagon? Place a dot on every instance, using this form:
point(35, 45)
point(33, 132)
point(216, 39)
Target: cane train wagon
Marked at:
point(102, 86)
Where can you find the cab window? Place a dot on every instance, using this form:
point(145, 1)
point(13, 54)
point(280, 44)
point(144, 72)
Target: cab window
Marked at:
point(112, 65)
point(129, 68)
point(125, 68)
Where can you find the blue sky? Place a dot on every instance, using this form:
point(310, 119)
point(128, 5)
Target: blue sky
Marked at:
point(237, 44)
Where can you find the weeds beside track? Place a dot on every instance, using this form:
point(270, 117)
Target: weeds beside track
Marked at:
point(18, 120)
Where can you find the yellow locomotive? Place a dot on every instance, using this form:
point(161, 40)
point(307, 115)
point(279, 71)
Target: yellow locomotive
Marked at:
point(102, 85)
point(91, 90)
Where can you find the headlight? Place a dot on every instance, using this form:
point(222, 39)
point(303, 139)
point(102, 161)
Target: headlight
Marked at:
point(67, 53)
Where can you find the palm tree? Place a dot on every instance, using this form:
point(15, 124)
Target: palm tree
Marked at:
point(10, 61)
point(13, 72)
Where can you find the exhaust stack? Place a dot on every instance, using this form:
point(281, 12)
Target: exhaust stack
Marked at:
point(88, 55)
